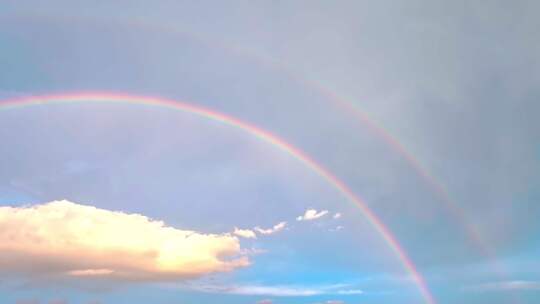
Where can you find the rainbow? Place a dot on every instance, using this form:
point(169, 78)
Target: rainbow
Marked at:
point(441, 191)
point(452, 206)
point(347, 106)
point(265, 136)
point(471, 230)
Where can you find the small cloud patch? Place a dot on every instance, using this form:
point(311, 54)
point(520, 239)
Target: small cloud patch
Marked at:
point(312, 214)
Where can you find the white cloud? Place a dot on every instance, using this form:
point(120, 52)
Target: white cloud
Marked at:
point(350, 292)
point(338, 228)
point(67, 239)
point(281, 290)
point(265, 301)
point(506, 285)
point(337, 215)
point(278, 227)
point(311, 214)
point(278, 291)
point(252, 251)
point(245, 233)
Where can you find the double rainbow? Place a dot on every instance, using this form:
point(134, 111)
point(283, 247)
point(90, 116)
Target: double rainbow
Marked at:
point(263, 135)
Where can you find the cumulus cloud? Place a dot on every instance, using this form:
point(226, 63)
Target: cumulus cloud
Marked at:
point(62, 238)
point(245, 233)
point(278, 227)
point(311, 214)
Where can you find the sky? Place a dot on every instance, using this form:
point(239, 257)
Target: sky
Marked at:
point(267, 152)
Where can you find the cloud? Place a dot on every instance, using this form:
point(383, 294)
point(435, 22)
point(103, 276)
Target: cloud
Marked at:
point(281, 290)
point(65, 239)
point(337, 215)
point(278, 291)
point(56, 301)
point(245, 233)
point(505, 285)
point(265, 301)
point(278, 227)
point(90, 272)
point(311, 214)
point(252, 251)
point(338, 228)
point(350, 292)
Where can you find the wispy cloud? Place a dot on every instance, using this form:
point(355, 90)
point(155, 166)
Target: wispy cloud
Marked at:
point(27, 302)
point(338, 228)
point(276, 228)
point(90, 272)
point(312, 214)
point(245, 233)
point(505, 285)
point(337, 215)
point(56, 301)
point(62, 238)
point(281, 290)
point(252, 251)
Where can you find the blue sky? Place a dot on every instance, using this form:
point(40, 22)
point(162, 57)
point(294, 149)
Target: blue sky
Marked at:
point(455, 83)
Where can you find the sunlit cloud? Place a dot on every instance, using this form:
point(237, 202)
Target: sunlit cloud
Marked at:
point(312, 214)
point(90, 272)
point(276, 228)
point(245, 233)
point(62, 238)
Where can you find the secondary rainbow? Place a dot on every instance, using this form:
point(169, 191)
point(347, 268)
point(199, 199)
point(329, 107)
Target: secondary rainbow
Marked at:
point(340, 186)
point(348, 107)
point(458, 213)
